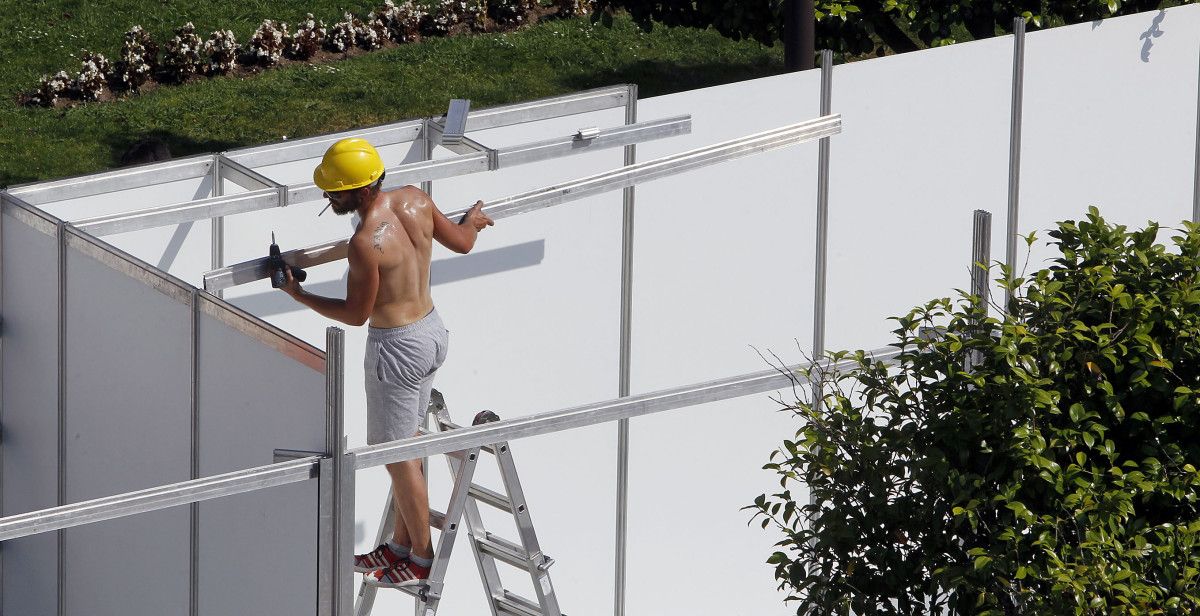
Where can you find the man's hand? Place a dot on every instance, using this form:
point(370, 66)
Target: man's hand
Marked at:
point(292, 287)
point(476, 218)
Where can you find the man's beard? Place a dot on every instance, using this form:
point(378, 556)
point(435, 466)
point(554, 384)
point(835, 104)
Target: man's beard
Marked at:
point(347, 206)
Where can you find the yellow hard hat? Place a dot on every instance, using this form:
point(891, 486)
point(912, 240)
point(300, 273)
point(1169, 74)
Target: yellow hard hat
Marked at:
point(348, 164)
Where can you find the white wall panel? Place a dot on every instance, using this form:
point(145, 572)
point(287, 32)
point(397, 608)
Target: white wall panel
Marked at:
point(29, 407)
point(128, 427)
point(723, 268)
point(925, 143)
point(252, 400)
point(1110, 121)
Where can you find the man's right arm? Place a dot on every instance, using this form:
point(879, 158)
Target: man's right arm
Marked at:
point(460, 237)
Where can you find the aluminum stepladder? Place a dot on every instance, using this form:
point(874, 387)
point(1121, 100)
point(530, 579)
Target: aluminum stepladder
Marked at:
point(487, 548)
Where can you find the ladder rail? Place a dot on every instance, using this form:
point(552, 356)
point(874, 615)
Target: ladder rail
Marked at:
point(463, 508)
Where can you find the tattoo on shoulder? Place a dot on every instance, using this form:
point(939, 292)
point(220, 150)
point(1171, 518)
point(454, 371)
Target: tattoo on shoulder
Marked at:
point(377, 237)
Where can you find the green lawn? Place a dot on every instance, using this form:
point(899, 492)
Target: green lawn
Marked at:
point(552, 57)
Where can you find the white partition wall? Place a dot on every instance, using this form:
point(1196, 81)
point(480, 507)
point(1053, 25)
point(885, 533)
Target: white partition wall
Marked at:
point(257, 391)
point(29, 465)
point(158, 386)
point(926, 144)
point(127, 401)
point(1110, 121)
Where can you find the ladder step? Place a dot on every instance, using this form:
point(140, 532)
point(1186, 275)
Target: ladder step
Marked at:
point(517, 605)
point(503, 550)
point(491, 497)
point(437, 519)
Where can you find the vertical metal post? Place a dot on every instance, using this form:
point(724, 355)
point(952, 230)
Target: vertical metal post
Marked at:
point(218, 223)
point(194, 448)
point(981, 251)
point(622, 521)
point(3, 205)
point(1196, 186)
point(62, 406)
point(822, 243)
point(427, 154)
point(1014, 151)
point(338, 512)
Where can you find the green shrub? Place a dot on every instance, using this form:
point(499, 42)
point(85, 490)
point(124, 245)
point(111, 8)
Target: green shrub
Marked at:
point(1058, 476)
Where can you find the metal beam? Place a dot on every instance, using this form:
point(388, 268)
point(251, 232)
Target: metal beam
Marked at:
point(596, 413)
point(178, 213)
point(113, 181)
point(616, 179)
point(293, 471)
point(314, 147)
point(153, 499)
point(409, 131)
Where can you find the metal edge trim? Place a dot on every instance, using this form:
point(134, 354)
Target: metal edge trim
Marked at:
point(125, 263)
point(115, 223)
point(263, 332)
point(202, 162)
point(239, 154)
point(28, 214)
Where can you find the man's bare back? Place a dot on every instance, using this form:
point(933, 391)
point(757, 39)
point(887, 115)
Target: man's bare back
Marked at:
point(399, 229)
point(389, 256)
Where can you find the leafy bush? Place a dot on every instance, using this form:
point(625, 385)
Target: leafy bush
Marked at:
point(341, 35)
point(93, 76)
point(221, 49)
point(371, 33)
point(509, 11)
point(50, 88)
point(307, 41)
point(1057, 476)
point(181, 54)
point(265, 47)
point(136, 62)
point(403, 21)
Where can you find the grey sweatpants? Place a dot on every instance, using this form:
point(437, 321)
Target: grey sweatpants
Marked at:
point(399, 367)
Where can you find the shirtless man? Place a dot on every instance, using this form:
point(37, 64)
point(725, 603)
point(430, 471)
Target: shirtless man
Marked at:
point(389, 284)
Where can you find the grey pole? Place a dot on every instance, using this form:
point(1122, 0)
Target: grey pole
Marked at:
point(1196, 187)
point(3, 205)
point(218, 223)
point(1014, 151)
point(623, 379)
point(822, 249)
point(336, 577)
point(62, 405)
point(194, 509)
point(426, 154)
point(981, 251)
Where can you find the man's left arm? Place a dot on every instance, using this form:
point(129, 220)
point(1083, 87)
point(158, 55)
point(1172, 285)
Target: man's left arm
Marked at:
point(361, 287)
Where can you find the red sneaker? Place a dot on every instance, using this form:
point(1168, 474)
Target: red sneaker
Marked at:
point(407, 573)
point(381, 557)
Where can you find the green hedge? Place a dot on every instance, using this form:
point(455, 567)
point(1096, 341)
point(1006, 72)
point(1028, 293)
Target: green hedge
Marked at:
point(1059, 476)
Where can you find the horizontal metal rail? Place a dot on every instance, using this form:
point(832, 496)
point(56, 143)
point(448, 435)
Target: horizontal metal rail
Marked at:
point(409, 131)
point(202, 209)
point(153, 499)
point(586, 415)
point(113, 181)
point(261, 197)
point(294, 471)
point(640, 173)
point(616, 179)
